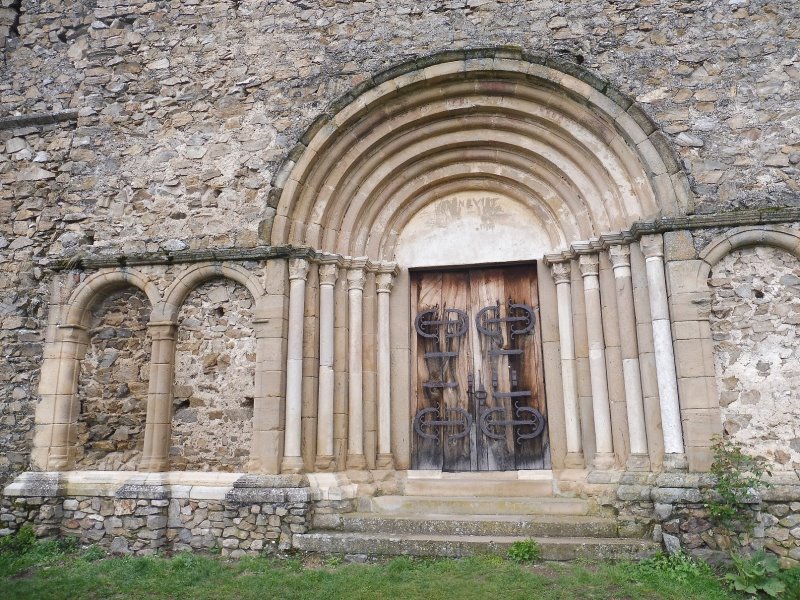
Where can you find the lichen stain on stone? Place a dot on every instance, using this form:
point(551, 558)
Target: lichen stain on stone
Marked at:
point(754, 323)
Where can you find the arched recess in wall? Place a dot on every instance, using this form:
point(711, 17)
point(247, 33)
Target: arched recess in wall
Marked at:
point(101, 380)
point(554, 149)
point(753, 276)
point(213, 306)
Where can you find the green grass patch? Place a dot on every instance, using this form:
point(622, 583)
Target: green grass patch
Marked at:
point(55, 570)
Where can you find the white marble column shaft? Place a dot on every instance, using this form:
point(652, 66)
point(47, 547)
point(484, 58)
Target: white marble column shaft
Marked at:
point(604, 457)
point(653, 250)
point(384, 282)
point(292, 459)
point(620, 256)
point(355, 430)
point(561, 276)
point(327, 280)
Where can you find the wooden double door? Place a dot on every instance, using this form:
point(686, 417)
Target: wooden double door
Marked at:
point(478, 393)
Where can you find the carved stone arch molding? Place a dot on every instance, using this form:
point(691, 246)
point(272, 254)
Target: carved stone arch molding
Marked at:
point(576, 148)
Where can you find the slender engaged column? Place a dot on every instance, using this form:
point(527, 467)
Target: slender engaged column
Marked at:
point(58, 410)
point(327, 280)
point(292, 459)
point(384, 281)
point(653, 249)
point(158, 426)
point(561, 276)
point(355, 366)
point(620, 256)
point(604, 457)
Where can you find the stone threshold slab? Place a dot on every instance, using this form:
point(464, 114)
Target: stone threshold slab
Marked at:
point(174, 484)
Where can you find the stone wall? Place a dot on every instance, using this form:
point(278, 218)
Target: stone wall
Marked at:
point(214, 369)
point(183, 111)
point(755, 314)
point(113, 384)
point(672, 507)
point(144, 519)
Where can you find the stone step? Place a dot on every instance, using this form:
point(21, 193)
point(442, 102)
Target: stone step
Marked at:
point(462, 505)
point(454, 546)
point(470, 525)
point(472, 487)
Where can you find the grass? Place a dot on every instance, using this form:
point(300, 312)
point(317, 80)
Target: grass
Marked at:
point(52, 570)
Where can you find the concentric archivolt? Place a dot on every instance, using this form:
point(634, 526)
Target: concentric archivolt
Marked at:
point(578, 160)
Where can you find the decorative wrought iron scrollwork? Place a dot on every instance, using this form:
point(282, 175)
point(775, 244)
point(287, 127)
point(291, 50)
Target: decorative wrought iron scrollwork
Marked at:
point(489, 322)
point(535, 421)
point(423, 426)
point(428, 323)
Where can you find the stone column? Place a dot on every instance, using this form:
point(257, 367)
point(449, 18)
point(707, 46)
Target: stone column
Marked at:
point(620, 256)
point(561, 276)
point(604, 457)
point(327, 279)
point(55, 433)
point(384, 282)
point(158, 426)
point(355, 366)
point(292, 458)
point(653, 249)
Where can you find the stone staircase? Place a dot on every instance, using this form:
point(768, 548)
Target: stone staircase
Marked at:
point(441, 519)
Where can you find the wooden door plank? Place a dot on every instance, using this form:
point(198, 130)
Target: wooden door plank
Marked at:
point(489, 289)
point(456, 446)
point(519, 290)
point(427, 289)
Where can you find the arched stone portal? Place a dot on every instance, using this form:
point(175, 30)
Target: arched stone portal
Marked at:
point(484, 157)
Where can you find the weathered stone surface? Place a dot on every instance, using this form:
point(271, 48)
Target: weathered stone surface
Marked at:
point(756, 351)
point(214, 370)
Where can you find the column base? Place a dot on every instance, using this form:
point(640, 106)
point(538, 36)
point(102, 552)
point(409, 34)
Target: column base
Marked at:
point(325, 463)
point(292, 464)
point(574, 460)
point(638, 462)
point(604, 461)
point(384, 461)
point(153, 465)
point(676, 462)
point(61, 460)
point(356, 461)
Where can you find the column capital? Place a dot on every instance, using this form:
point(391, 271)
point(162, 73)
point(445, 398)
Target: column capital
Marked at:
point(298, 268)
point(620, 255)
point(589, 264)
point(328, 273)
point(562, 272)
point(355, 278)
point(652, 245)
point(384, 282)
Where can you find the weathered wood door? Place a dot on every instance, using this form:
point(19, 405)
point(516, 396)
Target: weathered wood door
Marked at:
point(478, 395)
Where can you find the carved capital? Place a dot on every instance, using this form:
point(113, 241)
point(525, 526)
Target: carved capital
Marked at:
point(328, 273)
point(355, 279)
point(620, 255)
point(384, 282)
point(298, 268)
point(589, 264)
point(562, 272)
point(652, 245)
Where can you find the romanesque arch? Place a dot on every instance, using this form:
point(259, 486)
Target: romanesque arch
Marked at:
point(578, 155)
point(480, 157)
